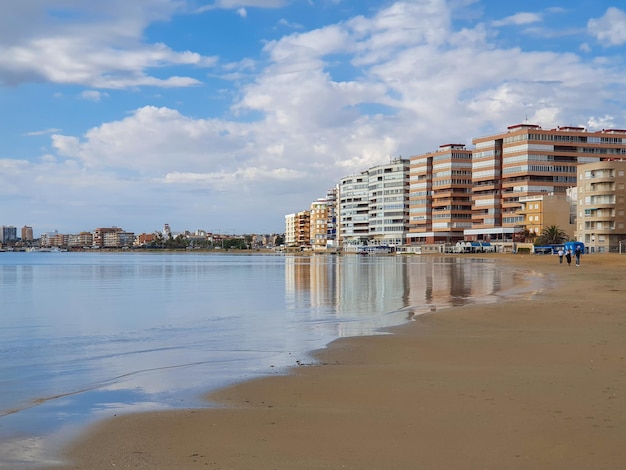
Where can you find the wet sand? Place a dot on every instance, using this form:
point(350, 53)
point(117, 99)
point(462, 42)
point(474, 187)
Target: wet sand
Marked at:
point(533, 383)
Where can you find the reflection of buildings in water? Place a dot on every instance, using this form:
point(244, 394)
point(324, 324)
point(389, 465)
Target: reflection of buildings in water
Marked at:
point(366, 288)
point(372, 283)
point(455, 280)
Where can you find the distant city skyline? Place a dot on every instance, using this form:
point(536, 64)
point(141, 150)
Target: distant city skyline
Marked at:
point(229, 115)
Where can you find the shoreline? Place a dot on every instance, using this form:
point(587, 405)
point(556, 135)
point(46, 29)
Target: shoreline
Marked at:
point(496, 385)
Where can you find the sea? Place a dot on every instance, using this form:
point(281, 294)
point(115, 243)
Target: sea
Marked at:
point(86, 336)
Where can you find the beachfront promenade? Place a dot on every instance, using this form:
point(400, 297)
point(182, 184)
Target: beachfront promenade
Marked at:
point(534, 383)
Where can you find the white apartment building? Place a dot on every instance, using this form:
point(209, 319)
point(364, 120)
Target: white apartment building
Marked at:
point(290, 230)
point(354, 210)
point(388, 189)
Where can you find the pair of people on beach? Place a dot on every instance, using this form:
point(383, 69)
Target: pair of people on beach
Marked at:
point(568, 256)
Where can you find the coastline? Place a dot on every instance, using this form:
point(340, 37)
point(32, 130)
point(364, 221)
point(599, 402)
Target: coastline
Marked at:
point(515, 384)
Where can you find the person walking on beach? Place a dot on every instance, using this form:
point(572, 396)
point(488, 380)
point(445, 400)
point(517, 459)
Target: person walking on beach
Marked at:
point(561, 253)
point(568, 257)
point(577, 254)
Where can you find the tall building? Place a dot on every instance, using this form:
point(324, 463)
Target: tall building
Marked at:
point(601, 205)
point(440, 195)
point(528, 160)
point(27, 233)
point(290, 230)
point(331, 224)
point(8, 234)
point(319, 225)
point(303, 229)
point(388, 205)
point(354, 209)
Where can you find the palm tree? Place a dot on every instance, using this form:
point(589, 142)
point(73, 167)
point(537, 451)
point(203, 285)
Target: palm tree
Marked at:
point(552, 235)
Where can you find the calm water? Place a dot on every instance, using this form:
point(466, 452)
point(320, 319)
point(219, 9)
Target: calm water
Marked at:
point(85, 336)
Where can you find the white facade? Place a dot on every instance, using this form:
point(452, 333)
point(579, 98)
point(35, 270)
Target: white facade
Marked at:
point(290, 230)
point(388, 194)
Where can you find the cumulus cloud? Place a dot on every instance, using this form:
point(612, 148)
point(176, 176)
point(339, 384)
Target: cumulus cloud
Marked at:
point(96, 44)
point(609, 29)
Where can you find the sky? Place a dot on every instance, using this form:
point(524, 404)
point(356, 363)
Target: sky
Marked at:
point(226, 115)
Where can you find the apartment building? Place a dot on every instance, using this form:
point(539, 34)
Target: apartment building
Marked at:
point(8, 234)
point(388, 204)
point(27, 233)
point(319, 225)
point(303, 229)
point(82, 239)
point(354, 209)
point(332, 211)
point(113, 237)
point(440, 197)
point(601, 205)
point(290, 230)
point(528, 160)
point(544, 210)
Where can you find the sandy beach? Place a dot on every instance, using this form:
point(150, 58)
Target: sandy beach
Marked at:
point(535, 383)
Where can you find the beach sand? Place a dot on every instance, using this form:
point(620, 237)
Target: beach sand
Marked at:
point(534, 383)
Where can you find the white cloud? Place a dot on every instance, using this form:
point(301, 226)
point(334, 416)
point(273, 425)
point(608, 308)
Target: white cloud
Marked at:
point(50, 131)
point(610, 29)
point(242, 12)
point(519, 19)
point(234, 4)
point(93, 95)
point(99, 45)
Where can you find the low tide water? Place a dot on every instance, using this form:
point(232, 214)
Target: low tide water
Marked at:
point(84, 336)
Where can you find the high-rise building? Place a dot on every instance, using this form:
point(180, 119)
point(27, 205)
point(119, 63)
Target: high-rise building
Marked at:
point(525, 161)
point(303, 229)
point(27, 233)
point(440, 195)
point(290, 230)
point(354, 209)
point(319, 225)
point(601, 205)
point(331, 224)
point(388, 204)
point(8, 234)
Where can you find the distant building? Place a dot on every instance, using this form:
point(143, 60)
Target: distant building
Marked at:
point(144, 239)
point(354, 209)
point(167, 232)
point(290, 230)
point(47, 238)
point(331, 223)
point(80, 240)
point(319, 225)
point(601, 206)
point(8, 234)
point(303, 229)
point(113, 237)
point(27, 233)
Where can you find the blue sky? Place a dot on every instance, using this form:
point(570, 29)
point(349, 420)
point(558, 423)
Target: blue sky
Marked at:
point(225, 115)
